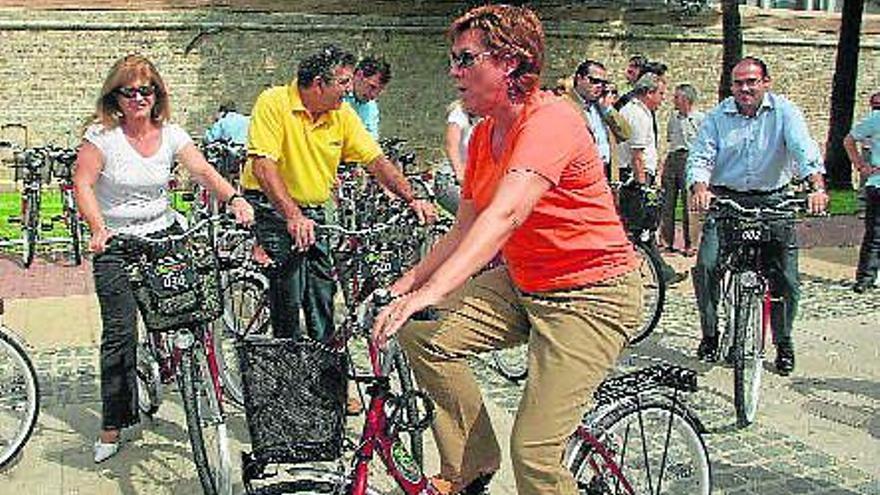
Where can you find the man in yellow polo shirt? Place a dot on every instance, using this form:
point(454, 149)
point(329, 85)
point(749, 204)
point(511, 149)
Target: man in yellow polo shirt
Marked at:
point(299, 133)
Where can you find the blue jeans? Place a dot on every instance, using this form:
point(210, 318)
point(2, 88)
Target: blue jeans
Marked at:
point(779, 263)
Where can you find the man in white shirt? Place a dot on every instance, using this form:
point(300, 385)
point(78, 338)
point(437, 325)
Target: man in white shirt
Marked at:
point(681, 131)
point(638, 157)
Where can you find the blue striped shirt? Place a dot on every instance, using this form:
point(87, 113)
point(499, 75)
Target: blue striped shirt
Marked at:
point(753, 153)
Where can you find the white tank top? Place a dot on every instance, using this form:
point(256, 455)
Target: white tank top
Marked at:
point(132, 190)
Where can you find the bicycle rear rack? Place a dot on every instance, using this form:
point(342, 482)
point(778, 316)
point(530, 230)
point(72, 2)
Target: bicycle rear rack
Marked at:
point(658, 376)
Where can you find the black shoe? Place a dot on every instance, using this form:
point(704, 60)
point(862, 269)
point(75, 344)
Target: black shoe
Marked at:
point(784, 360)
point(708, 350)
point(479, 486)
point(675, 278)
point(862, 286)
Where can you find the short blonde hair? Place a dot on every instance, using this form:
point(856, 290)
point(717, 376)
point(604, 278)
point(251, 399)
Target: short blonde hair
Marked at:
point(125, 70)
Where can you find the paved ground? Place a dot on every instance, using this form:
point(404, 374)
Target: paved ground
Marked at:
point(818, 431)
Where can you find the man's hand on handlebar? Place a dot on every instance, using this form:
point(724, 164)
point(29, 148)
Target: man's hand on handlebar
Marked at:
point(302, 230)
point(817, 202)
point(424, 210)
point(701, 197)
point(242, 210)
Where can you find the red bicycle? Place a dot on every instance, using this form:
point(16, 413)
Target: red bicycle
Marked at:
point(639, 438)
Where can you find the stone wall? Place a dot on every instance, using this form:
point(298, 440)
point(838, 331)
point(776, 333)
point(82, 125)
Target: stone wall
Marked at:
point(52, 63)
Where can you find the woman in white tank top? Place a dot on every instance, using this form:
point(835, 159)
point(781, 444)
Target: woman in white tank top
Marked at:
point(122, 172)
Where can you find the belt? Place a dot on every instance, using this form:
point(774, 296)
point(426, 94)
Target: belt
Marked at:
point(751, 192)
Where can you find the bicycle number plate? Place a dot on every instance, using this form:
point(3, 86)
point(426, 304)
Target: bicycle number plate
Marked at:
point(171, 278)
point(751, 232)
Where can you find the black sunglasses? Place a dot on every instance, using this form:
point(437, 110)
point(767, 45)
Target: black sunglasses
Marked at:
point(465, 59)
point(596, 80)
point(144, 91)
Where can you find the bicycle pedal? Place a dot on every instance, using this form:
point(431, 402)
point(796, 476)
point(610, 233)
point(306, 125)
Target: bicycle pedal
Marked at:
point(12, 219)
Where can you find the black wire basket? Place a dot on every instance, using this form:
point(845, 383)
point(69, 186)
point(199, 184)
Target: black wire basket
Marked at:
point(294, 394)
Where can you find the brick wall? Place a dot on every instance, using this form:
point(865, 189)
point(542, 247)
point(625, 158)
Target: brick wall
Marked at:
point(52, 63)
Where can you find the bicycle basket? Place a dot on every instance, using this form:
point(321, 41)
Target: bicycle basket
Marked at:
point(640, 207)
point(294, 396)
point(179, 288)
point(30, 164)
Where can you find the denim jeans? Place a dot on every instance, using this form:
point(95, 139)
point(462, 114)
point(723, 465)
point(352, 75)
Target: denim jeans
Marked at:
point(297, 280)
point(869, 254)
point(780, 264)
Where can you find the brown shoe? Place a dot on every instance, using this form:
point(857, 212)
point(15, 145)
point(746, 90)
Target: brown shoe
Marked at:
point(353, 406)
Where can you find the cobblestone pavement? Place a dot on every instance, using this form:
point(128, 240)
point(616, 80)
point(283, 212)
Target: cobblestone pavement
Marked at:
point(765, 458)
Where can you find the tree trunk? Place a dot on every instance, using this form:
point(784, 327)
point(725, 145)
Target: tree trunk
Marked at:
point(733, 44)
point(843, 93)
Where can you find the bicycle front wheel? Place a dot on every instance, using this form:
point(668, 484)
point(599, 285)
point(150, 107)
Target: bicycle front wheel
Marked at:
point(245, 312)
point(748, 347)
point(411, 410)
point(19, 398)
point(30, 219)
point(312, 480)
point(205, 422)
point(642, 447)
point(75, 227)
point(653, 292)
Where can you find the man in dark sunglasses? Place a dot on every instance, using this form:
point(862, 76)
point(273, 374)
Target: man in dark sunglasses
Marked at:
point(607, 126)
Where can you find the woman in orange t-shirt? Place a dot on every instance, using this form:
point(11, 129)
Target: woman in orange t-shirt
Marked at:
point(534, 189)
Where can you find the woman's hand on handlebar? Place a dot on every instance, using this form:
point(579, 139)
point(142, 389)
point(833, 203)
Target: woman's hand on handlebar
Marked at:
point(396, 314)
point(98, 240)
point(242, 210)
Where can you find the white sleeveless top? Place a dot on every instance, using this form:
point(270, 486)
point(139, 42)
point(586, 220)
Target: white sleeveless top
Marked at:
point(132, 190)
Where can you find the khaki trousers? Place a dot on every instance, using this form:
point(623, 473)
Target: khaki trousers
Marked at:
point(574, 338)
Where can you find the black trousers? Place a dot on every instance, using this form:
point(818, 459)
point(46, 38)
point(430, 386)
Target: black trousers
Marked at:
point(869, 254)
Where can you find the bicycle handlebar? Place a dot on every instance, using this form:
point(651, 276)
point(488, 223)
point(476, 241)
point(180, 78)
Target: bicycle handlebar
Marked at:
point(785, 208)
point(139, 243)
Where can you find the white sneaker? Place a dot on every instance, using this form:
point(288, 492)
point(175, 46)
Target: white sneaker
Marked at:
point(104, 451)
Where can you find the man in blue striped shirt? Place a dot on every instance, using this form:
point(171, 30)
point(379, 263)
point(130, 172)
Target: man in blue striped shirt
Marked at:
point(749, 148)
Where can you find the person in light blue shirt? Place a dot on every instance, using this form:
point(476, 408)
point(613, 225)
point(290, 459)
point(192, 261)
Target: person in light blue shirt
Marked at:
point(229, 126)
point(867, 133)
point(371, 76)
point(748, 148)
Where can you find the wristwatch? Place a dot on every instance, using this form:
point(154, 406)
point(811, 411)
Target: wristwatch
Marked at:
point(232, 198)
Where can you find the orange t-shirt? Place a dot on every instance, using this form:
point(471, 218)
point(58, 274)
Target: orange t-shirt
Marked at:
point(573, 236)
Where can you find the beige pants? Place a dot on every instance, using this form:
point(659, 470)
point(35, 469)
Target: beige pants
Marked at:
point(574, 338)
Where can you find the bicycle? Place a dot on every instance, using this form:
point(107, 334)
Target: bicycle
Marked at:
point(19, 395)
point(176, 284)
point(62, 169)
point(744, 234)
point(599, 452)
point(32, 168)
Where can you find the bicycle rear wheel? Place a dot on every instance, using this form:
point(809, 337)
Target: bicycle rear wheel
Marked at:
point(653, 292)
point(748, 347)
point(512, 363)
point(245, 312)
point(648, 447)
point(205, 422)
point(19, 398)
point(30, 219)
point(311, 480)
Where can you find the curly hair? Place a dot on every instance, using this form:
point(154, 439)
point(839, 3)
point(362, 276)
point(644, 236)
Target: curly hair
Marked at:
point(124, 71)
point(509, 32)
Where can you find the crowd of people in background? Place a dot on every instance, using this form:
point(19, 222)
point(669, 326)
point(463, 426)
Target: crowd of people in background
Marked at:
point(528, 171)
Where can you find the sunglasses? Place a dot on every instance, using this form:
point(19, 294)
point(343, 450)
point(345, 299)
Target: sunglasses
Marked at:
point(144, 91)
point(596, 80)
point(466, 59)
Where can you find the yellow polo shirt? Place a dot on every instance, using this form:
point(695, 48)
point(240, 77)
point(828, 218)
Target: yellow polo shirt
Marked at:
point(307, 152)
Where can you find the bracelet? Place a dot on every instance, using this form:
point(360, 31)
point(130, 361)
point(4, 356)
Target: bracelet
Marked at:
point(232, 198)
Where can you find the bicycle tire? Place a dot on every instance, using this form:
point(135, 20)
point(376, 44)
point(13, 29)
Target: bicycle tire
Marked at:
point(205, 422)
point(653, 292)
point(512, 363)
point(245, 312)
point(18, 387)
point(75, 227)
point(311, 480)
point(748, 352)
point(411, 408)
point(149, 382)
point(658, 423)
point(29, 225)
